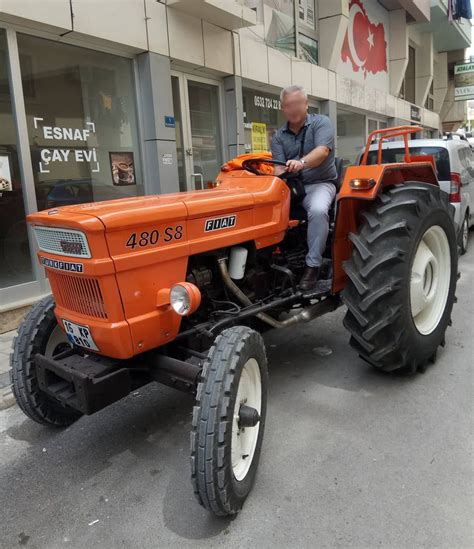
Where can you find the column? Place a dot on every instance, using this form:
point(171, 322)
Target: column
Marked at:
point(157, 116)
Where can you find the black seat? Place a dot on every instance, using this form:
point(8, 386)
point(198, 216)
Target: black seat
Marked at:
point(298, 212)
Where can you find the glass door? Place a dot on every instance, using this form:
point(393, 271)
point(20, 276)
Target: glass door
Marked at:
point(197, 109)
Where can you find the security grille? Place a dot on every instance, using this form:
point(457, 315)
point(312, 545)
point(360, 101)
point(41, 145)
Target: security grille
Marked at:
point(66, 242)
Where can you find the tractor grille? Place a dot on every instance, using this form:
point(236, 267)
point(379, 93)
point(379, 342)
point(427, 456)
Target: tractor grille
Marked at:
point(62, 241)
point(80, 294)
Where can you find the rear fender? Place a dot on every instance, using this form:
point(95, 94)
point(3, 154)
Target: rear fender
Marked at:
point(351, 202)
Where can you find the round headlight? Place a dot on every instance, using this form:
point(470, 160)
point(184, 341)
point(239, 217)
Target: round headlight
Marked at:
point(185, 298)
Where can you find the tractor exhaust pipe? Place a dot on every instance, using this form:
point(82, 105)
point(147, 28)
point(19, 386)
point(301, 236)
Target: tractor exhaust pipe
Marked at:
point(305, 315)
point(239, 294)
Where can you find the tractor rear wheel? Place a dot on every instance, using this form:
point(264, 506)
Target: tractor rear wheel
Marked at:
point(38, 333)
point(229, 420)
point(402, 278)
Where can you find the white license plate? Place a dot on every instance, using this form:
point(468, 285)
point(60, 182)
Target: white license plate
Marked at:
point(79, 335)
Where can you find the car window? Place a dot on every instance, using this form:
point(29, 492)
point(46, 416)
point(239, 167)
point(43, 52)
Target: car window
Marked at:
point(441, 157)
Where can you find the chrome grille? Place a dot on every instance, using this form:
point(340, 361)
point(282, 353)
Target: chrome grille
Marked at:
point(66, 242)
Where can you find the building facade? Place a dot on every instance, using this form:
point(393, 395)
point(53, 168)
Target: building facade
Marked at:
point(102, 100)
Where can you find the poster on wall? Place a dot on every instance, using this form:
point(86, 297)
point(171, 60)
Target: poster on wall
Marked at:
point(364, 50)
point(122, 166)
point(259, 137)
point(464, 82)
point(5, 173)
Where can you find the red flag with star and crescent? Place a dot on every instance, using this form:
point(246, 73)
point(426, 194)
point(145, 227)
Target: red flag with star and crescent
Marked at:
point(364, 43)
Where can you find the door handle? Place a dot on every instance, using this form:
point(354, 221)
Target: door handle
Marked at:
point(196, 176)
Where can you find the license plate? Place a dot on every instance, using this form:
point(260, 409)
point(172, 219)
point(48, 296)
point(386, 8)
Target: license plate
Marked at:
point(79, 335)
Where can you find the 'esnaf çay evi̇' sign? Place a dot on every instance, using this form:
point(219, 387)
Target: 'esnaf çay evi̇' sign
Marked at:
point(51, 155)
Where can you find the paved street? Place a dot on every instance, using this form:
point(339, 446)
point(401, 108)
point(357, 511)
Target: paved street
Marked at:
point(351, 458)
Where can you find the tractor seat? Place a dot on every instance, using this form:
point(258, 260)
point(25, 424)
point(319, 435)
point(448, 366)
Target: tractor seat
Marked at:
point(298, 212)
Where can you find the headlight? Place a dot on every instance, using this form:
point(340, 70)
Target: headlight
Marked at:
point(185, 298)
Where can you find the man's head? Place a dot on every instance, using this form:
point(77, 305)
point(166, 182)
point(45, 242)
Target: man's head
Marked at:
point(294, 104)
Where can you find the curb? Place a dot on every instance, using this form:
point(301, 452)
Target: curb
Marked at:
point(7, 400)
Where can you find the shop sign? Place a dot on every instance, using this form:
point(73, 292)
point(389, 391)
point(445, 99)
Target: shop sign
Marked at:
point(259, 137)
point(415, 113)
point(263, 102)
point(464, 81)
point(50, 155)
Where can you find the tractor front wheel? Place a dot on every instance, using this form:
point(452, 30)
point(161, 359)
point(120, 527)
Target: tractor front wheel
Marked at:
point(402, 278)
point(38, 333)
point(229, 420)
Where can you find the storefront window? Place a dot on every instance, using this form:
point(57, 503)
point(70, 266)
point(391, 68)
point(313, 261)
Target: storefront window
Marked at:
point(205, 132)
point(407, 91)
point(15, 259)
point(82, 123)
point(262, 117)
point(350, 135)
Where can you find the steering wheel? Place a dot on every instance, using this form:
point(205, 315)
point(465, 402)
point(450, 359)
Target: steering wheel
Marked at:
point(252, 165)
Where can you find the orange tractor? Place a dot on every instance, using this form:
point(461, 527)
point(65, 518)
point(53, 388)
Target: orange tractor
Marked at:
point(178, 288)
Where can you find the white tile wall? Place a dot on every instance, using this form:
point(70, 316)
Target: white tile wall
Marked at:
point(50, 12)
point(218, 46)
point(319, 82)
point(279, 68)
point(380, 102)
point(253, 56)
point(122, 22)
point(343, 89)
point(185, 37)
point(157, 27)
point(301, 73)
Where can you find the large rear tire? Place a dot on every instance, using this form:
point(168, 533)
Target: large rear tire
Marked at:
point(229, 420)
point(402, 278)
point(38, 333)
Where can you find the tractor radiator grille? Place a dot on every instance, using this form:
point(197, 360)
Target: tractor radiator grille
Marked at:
point(66, 242)
point(80, 294)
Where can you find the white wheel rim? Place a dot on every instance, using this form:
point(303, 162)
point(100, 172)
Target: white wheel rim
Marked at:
point(56, 339)
point(244, 439)
point(430, 280)
point(465, 233)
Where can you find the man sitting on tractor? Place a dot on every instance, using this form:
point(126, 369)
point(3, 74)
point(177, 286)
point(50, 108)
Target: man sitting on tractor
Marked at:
point(306, 144)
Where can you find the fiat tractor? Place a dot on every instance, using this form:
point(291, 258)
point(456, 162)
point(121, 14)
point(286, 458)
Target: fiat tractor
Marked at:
point(178, 289)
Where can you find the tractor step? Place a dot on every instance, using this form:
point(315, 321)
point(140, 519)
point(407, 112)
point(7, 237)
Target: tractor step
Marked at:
point(322, 288)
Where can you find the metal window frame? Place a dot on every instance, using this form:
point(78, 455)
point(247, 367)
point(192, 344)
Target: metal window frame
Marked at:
point(26, 293)
point(301, 28)
point(183, 79)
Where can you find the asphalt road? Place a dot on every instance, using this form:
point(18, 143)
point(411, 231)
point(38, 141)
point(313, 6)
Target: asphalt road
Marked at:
point(351, 458)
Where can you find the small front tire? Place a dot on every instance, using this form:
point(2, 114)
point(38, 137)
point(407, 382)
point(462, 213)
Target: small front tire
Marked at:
point(39, 333)
point(229, 420)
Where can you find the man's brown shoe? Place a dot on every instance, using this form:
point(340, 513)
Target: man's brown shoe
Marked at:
point(309, 279)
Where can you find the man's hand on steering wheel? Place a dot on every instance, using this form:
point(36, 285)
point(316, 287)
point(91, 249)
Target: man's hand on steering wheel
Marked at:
point(294, 166)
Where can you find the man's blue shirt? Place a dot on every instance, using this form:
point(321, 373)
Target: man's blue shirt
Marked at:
point(286, 146)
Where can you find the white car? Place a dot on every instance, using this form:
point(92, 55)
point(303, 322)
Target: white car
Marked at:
point(454, 160)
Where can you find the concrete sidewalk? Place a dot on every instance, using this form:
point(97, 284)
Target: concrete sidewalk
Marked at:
point(6, 396)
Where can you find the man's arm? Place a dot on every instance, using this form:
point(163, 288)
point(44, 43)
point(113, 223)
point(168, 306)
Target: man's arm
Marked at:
point(278, 152)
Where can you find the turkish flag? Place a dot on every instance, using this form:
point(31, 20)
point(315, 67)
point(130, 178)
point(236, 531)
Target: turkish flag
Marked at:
point(364, 43)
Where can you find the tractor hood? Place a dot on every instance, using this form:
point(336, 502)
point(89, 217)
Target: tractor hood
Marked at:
point(125, 213)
